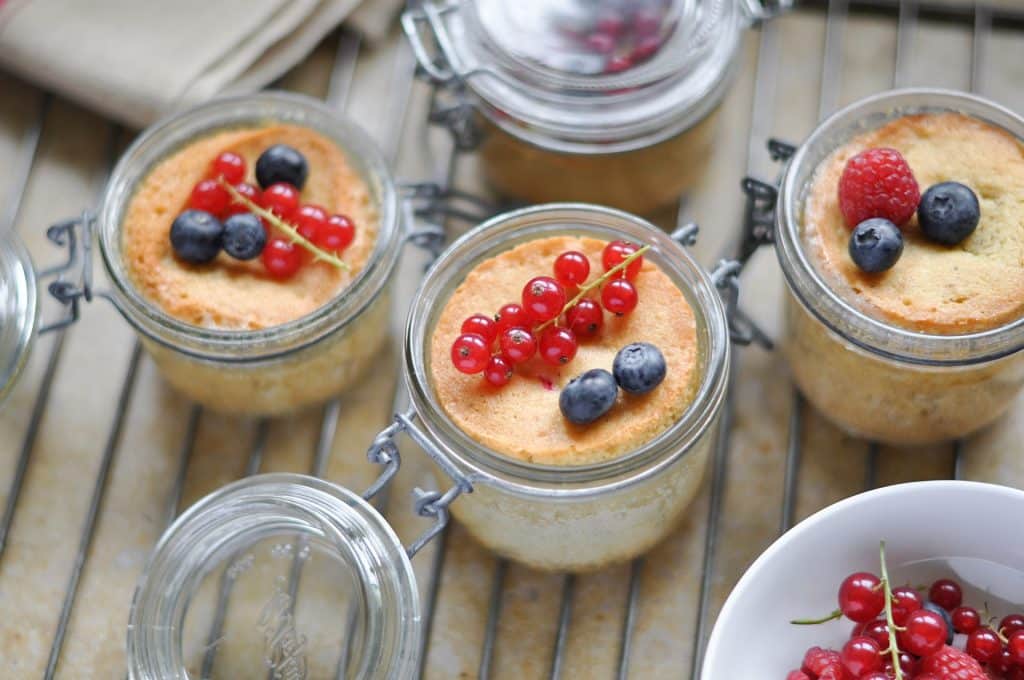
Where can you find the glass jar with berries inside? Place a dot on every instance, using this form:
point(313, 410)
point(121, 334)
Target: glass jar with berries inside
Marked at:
point(602, 101)
point(898, 228)
point(567, 365)
point(250, 241)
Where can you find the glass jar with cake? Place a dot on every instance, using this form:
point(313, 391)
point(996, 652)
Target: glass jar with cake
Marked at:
point(603, 101)
point(250, 241)
point(567, 365)
point(900, 230)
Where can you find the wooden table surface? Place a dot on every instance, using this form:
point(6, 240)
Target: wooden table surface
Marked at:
point(97, 428)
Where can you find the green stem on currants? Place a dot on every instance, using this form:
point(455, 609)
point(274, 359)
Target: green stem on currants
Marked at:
point(293, 233)
point(837, 614)
point(890, 624)
point(598, 282)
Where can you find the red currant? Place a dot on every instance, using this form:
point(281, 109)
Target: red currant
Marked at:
point(924, 633)
point(572, 268)
point(1011, 624)
point(557, 345)
point(585, 318)
point(1001, 663)
point(861, 655)
point(965, 620)
point(619, 297)
point(281, 199)
point(498, 371)
point(601, 42)
point(337, 234)
point(512, 316)
point(230, 166)
point(484, 326)
point(905, 601)
point(908, 664)
point(1015, 645)
point(861, 597)
point(617, 64)
point(210, 196)
point(309, 220)
point(470, 353)
point(236, 207)
point(946, 594)
point(617, 251)
point(877, 675)
point(647, 21)
point(984, 645)
point(518, 345)
point(281, 258)
point(543, 298)
point(611, 23)
point(877, 630)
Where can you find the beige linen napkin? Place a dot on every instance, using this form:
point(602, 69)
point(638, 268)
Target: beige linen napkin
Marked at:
point(133, 60)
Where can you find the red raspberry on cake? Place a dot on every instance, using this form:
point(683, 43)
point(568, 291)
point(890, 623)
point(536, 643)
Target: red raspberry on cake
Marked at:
point(823, 663)
point(950, 663)
point(878, 183)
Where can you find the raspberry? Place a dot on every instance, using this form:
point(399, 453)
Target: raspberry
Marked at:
point(798, 675)
point(818, 662)
point(951, 664)
point(878, 183)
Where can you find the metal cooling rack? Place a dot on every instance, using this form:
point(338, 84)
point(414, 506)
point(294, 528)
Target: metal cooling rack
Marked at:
point(983, 20)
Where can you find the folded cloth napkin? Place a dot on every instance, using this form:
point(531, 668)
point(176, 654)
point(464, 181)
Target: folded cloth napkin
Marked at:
point(134, 60)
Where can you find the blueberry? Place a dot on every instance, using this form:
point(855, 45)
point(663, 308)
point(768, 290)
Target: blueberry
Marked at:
point(281, 163)
point(932, 607)
point(588, 397)
point(639, 367)
point(244, 236)
point(876, 245)
point(196, 236)
point(948, 213)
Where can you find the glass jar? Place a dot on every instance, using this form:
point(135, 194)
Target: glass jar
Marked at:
point(602, 102)
point(570, 517)
point(19, 309)
point(875, 379)
point(285, 367)
point(276, 576)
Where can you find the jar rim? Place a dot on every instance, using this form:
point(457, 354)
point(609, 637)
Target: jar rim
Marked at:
point(19, 309)
point(498, 235)
point(160, 139)
point(810, 288)
point(606, 113)
point(209, 534)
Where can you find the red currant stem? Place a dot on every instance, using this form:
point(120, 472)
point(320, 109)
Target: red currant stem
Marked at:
point(293, 233)
point(890, 623)
point(837, 614)
point(600, 281)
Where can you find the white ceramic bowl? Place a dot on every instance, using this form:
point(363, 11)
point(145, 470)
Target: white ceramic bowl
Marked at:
point(964, 530)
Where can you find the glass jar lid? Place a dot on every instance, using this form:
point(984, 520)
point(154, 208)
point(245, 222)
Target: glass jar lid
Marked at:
point(19, 309)
point(595, 75)
point(276, 576)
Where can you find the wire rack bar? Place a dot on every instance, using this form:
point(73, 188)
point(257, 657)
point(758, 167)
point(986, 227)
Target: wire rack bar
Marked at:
point(629, 622)
point(95, 505)
point(493, 614)
point(1003, 15)
point(564, 619)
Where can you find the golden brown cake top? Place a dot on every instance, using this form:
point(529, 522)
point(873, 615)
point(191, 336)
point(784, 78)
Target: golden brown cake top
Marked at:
point(229, 293)
point(522, 419)
point(934, 288)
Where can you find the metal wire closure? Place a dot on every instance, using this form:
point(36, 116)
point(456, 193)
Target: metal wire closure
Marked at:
point(430, 504)
point(74, 277)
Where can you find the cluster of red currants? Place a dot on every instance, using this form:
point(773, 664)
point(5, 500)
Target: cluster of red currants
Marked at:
point(281, 257)
point(936, 639)
point(547, 320)
point(626, 33)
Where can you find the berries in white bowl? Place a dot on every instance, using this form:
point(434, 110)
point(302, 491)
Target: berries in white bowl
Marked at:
point(933, 539)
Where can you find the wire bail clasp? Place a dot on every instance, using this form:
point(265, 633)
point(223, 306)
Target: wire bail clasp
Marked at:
point(428, 504)
point(74, 277)
point(742, 329)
